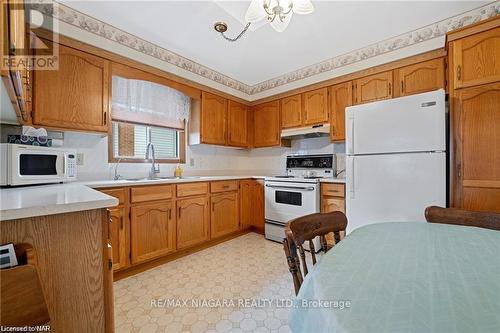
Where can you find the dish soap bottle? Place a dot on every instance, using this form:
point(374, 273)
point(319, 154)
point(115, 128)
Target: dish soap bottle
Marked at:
point(178, 171)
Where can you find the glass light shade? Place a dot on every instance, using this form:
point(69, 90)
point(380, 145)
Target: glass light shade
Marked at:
point(302, 7)
point(255, 11)
point(281, 26)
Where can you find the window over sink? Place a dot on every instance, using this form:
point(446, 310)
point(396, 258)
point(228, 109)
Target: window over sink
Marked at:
point(144, 112)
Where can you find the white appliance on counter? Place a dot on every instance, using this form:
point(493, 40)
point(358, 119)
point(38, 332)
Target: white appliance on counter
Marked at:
point(395, 159)
point(27, 165)
point(295, 194)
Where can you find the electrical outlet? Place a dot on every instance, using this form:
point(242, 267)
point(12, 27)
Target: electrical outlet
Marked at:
point(191, 162)
point(80, 159)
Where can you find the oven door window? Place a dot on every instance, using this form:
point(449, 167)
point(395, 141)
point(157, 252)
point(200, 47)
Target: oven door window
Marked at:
point(37, 165)
point(288, 198)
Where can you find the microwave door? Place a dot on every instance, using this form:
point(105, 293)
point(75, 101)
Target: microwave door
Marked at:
point(37, 167)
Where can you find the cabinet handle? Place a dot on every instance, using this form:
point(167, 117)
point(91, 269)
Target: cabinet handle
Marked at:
point(459, 171)
point(459, 72)
point(402, 87)
point(169, 213)
point(213, 206)
point(355, 88)
point(179, 212)
point(121, 222)
point(390, 88)
point(105, 118)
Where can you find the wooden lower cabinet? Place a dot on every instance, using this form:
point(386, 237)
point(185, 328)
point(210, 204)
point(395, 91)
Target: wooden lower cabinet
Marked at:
point(332, 198)
point(193, 221)
point(152, 229)
point(252, 204)
point(224, 214)
point(477, 148)
point(118, 228)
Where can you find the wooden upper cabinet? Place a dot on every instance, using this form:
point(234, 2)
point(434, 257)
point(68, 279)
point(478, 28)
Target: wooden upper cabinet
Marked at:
point(224, 216)
point(315, 106)
point(75, 96)
point(213, 119)
point(267, 131)
point(476, 59)
point(291, 111)
point(119, 225)
point(193, 221)
point(237, 124)
point(152, 230)
point(419, 78)
point(340, 98)
point(373, 88)
point(477, 125)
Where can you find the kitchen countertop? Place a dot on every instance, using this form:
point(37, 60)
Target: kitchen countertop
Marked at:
point(23, 202)
point(124, 182)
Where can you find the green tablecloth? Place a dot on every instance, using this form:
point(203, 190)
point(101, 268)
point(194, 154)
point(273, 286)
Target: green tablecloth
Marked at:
point(405, 277)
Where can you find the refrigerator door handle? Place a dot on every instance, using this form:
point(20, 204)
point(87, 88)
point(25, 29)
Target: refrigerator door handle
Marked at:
point(350, 135)
point(350, 177)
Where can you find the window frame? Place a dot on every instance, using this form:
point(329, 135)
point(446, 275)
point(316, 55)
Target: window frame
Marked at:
point(137, 74)
point(182, 147)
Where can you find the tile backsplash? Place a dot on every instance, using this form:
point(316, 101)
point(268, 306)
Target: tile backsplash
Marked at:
point(207, 160)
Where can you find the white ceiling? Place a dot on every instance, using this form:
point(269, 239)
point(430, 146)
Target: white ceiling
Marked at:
point(336, 27)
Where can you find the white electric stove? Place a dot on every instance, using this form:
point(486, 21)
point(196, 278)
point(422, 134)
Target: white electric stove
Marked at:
point(295, 194)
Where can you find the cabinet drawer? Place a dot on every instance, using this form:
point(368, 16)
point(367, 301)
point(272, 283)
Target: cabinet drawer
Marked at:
point(224, 186)
point(186, 190)
point(119, 193)
point(150, 193)
point(336, 190)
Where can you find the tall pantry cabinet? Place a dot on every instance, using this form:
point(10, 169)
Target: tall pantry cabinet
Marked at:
point(474, 76)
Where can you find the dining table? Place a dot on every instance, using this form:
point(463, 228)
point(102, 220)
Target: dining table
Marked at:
point(404, 277)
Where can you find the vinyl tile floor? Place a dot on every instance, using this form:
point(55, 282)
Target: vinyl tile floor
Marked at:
point(242, 285)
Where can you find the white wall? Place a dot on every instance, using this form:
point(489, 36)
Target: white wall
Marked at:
point(208, 160)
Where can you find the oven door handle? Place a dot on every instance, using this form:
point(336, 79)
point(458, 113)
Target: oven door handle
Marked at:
point(305, 188)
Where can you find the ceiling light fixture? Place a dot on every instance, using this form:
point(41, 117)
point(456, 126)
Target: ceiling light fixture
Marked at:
point(278, 14)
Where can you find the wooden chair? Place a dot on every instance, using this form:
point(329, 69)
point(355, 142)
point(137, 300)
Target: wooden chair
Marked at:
point(487, 220)
point(306, 228)
point(22, 302)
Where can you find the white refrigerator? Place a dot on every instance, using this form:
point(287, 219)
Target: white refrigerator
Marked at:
point(395, 159)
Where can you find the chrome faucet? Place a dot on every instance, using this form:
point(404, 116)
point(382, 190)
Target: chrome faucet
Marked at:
point(154, 169)
point(117, 175)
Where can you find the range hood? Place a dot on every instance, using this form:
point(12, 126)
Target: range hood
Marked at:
point(314, 131)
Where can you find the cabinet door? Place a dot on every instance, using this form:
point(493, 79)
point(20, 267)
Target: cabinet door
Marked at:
point(315, 106)
point(193, 223)
point(477, 127)
point(291, 111)
point(267, 124)
point(475, 59)
point(237, 124)
point(76, 95)
point(213, 119)
point(340, 98)
point(332, 204)
point(258, 205)
point(224, 217)
point(419, 78)
point(152, 230)
point(119, 224)
point(246, 203)
point(373, 88)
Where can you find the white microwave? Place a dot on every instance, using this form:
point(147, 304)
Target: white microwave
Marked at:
point(26, 165)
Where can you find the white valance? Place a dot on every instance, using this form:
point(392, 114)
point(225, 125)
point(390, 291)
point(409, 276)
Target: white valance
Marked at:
point(148, 103)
